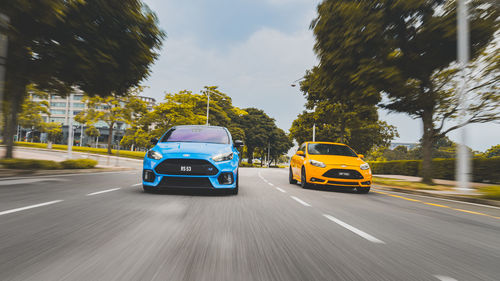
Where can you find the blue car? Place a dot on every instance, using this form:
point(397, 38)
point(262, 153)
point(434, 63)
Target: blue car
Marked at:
point(192, 157)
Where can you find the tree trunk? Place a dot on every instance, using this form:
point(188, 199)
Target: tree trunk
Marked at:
point(10, 128)
point(250, 155)
point(427, 141)
point(110, 137)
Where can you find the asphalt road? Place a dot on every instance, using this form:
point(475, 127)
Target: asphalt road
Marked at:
point(103, 227)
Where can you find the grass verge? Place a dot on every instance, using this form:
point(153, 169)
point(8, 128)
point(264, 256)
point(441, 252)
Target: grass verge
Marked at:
point(490, 192)
point(409, 184)
point(35, 164)
point(102, 151)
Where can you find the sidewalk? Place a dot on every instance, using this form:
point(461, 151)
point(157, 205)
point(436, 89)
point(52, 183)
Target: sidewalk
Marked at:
point(437, 181)
point(472, 195)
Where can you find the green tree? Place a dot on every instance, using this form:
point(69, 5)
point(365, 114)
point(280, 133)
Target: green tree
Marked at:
point(493, 151)
point(405, 49)
point(110, 110)
point(258, 128)
point(31, 111)
point(100, 46)
point(93, 132)
point(53, 130)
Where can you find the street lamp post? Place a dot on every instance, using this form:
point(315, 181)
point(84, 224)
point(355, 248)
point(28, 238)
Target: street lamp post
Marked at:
point(4, 22)
point(208, 104)
point(463, 161)
point(70, 126)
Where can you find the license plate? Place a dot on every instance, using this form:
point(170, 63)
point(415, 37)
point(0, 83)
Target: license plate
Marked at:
point(186, 168)
point(344, 174)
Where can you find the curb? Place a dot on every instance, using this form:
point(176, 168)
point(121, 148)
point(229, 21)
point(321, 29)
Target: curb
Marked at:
point(83, 153)
point(8, 173)
point(475, 200)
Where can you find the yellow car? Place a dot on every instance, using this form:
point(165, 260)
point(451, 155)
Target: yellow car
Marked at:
point(330, 164)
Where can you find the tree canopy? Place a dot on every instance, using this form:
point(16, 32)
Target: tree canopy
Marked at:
point(101, 47)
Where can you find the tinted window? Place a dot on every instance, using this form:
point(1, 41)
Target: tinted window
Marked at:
point(196, 134)
point(330, 149)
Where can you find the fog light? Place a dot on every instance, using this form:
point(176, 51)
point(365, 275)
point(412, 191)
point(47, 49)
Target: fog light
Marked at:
point(226, 178)
point(316, 180)
point(366, 183)
point(148, 176)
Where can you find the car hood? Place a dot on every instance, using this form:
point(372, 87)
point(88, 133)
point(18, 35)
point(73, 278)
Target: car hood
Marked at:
point(338, 160)
point(192, 148)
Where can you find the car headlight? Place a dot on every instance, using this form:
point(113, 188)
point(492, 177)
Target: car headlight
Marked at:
point(154, 155)
point(317, 163)
point(364, 166)
point(223, 157)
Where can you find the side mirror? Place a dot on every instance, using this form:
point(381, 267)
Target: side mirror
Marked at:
point(238, 143)
point(361, 156)
point(300, 153)
point(154, 141)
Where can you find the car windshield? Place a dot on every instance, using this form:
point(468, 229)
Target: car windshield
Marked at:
point(330, 149)
point(196, 134)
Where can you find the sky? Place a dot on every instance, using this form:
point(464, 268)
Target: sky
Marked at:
point(253, 50)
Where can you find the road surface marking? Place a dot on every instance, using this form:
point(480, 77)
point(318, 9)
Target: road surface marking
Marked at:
point(355, 230)
point(280, 189)
point(449, 200)
point(270, 184)
point(137, 184)
point(300, 201)
point(444, 278)
point(438, 205)
point(104, 191)
point(29, 207)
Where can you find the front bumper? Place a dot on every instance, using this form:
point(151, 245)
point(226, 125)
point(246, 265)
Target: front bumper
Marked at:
point(317, 176)
point(226, 170)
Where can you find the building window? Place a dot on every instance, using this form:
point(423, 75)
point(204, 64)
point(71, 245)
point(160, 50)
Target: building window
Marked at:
point(57, 104)
point(78, 105)
point(57, 119)
point(55, 111)
point(77, 97)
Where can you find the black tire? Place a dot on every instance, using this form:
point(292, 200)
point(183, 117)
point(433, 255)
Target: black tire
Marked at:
point(303, 181)
point(291, 180)
point(363, 189)
point(148, 189)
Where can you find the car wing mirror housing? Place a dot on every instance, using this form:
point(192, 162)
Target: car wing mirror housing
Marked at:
point(361, 156)
point(238, 143)
point(154, 141)
point(300, 153)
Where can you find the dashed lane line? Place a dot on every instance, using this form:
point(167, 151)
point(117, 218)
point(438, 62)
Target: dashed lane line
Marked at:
point(300, 201)
point(103, 191)
point(280, 189)
point(355, 230)
point(444, 278)
point(137, 184)
point(29, 207)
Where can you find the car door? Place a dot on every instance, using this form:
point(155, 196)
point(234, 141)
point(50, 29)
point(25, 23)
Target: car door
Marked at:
point(298, 160)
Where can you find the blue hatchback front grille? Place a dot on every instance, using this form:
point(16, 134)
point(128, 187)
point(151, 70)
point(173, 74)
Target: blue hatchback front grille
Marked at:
point(189, 167)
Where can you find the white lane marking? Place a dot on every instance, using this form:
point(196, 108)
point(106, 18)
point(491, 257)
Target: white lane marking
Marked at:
point(355, 230)
point(137, 184)
point(270, 184)
point(442, 199)
point(282, 190)
point(104, 191)
point(300, 201)
point(29, 207)
point(444, 278)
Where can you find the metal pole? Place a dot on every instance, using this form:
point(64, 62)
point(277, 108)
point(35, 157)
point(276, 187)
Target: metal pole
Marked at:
point(463, 161)
point(314, 132)
point(269, 154)
point(81, 135)
point(208, 104)
point(70, 126)
point(4, 21)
